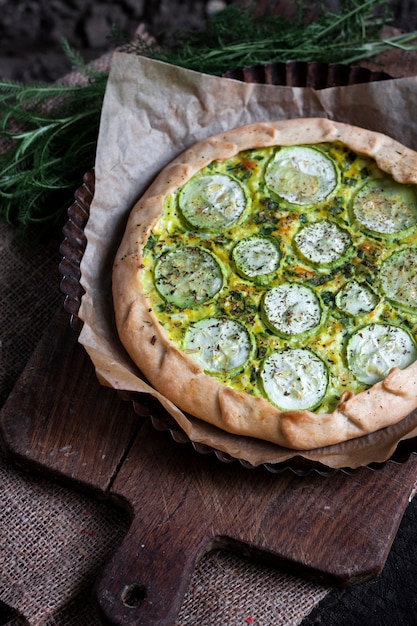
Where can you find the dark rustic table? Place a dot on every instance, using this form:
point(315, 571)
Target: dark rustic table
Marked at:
point(58, 422)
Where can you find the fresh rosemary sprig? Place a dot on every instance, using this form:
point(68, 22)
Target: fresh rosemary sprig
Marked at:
point(49, 131)
point(238, 37)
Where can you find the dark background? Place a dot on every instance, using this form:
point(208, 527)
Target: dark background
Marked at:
point(31, 31)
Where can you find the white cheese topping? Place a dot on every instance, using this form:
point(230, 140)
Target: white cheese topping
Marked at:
point(374, 350)
point(212, 202)
point(386, 207)
point(188, 276)
point(218, 344)
point(323, 242)
point(291, 309)
point(399, 278)
point(301, 175)
point(256, 256)
point(356, 298)
point(294, 379)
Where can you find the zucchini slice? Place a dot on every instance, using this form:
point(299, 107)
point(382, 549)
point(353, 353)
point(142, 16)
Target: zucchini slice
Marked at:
point(188, 276)
point(301, 175)
point(356, 298)
point(398, 275)
point(385, 207)
point(323, 243)
point(295, 379)
point(291, 310)
point(219, 345)
point(372, 351)
point(212, 202)
point(256, 256)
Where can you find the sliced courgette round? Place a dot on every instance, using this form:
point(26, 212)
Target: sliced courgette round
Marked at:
point(291, 310)
point(295, 379)
point(372, 351)
point(188, 276)
point(356, 298)
point(385, 207)
point(398, 275)
point(323, 243)
point(301, 175)
point(219, 345)
point(212, 202)
point(256, 256)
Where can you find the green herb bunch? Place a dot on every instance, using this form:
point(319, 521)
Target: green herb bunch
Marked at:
point(239, 37)
point(48, 136)
point(48, 132)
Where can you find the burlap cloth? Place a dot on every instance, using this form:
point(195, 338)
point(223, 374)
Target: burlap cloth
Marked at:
point(54, 541)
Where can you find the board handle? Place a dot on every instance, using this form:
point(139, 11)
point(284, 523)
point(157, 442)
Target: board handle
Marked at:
point(149, 588)
point(336, 530)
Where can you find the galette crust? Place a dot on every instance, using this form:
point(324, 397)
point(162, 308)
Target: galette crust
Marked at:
point(178, 377)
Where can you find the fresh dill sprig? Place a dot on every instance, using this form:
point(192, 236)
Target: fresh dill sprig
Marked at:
point(48, 136)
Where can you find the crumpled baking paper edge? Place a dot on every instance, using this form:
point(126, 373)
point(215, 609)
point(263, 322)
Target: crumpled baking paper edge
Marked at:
point(153, 111)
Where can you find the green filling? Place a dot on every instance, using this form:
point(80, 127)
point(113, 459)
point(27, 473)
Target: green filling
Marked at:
point(357, 285)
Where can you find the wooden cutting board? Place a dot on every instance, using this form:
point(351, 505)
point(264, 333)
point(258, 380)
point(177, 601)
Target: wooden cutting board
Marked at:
point(336, 529)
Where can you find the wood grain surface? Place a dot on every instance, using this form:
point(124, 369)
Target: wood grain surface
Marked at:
point(335, 529)
point(59, 418)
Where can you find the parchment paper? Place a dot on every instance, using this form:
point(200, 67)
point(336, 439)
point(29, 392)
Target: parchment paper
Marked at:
point(152, 111)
